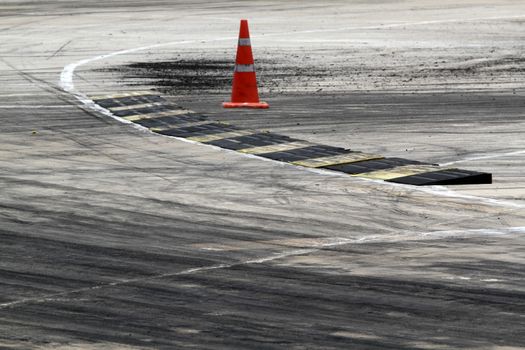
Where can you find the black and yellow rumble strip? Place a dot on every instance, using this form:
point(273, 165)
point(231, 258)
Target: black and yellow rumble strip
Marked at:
point(159, 115)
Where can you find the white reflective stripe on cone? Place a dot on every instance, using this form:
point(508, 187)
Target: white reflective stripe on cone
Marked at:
point(244, 42)
point(244, 68)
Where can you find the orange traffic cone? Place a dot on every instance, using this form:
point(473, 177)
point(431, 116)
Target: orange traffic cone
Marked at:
point(244, 89)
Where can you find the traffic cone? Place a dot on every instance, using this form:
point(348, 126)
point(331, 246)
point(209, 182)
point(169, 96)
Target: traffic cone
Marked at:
point(244, 87)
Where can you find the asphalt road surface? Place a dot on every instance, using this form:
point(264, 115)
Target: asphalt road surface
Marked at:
point(117, 238)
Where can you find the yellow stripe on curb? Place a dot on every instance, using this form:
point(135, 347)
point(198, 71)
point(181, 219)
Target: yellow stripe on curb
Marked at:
point(281, 147)
point(137, 106)
point(400, 171)
point(222, 135)
point(172, 113)
point(337, 159)
point(124, 94)
point(182, 125)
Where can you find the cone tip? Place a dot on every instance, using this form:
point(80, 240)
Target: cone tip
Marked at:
point(244, 31)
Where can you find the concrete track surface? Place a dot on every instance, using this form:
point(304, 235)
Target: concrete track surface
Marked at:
point(115, 238)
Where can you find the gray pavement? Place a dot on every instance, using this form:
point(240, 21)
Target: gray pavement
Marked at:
point(115, 238)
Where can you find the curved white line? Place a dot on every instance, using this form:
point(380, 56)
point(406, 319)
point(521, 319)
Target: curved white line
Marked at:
point(67, 84)
point(36, 106)
point(486, 156)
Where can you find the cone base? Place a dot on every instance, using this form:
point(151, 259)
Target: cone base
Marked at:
point(245, 105)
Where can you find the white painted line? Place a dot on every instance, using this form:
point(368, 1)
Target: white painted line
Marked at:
point(23, 94)
point(475, 232)
point(436, 235)
point(35, 107)
point(486, 156)
point(396, 25)
point(66, 78)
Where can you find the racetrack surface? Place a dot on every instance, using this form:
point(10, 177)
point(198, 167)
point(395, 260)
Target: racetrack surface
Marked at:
point(117, 238)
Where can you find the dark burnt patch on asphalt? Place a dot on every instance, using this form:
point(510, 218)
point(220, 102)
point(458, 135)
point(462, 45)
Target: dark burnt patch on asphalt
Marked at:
point(182, 76)
point(214, 76)
point(196, 73)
